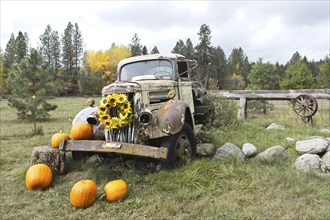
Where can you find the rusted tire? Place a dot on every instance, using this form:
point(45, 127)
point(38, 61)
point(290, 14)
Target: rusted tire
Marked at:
point(305, 105)
point(181, 148)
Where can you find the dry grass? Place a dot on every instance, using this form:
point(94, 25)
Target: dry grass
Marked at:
point(204, 189)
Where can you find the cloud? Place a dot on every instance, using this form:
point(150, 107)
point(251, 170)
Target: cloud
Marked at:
point(272, 30)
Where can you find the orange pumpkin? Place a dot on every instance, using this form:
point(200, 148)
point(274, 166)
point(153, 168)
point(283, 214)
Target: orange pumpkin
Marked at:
point(82, 131)
point(38, 176)
point(83, 194)
point(57, 137)
point(115, 190)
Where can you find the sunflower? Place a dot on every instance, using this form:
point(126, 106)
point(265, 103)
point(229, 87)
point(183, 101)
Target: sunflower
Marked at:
point(124, 108)
point(121, 98)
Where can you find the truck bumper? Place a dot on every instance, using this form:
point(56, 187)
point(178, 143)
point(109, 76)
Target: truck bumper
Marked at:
point(113, 147)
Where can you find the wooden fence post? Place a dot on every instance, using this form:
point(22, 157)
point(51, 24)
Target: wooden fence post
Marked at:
point(241, 114)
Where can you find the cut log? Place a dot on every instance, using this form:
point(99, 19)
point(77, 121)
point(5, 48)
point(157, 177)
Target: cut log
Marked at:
point(50, 156)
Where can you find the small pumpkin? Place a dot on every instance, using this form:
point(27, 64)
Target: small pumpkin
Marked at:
point(83, 193)
point(82, 131)
point(115, 190)
point(57, 137)
point(38, 176)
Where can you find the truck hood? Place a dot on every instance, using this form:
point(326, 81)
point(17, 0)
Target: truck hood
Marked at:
point(136, 86)
point(121, 87)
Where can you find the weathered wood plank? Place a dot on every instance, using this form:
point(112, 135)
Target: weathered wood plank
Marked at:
point(271, 94)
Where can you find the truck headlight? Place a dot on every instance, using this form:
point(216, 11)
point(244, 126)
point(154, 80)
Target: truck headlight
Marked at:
point(145, 118)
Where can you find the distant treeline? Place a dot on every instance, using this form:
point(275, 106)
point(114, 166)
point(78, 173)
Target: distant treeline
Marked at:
point(72, 71)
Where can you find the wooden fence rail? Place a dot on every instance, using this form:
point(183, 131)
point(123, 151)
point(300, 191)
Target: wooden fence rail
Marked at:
point(244, 95)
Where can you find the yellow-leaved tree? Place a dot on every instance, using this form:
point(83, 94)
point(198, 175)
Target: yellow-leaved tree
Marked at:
point(99, 68)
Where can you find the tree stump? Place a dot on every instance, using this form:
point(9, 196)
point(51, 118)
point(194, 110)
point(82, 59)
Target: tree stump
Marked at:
point(50, 156)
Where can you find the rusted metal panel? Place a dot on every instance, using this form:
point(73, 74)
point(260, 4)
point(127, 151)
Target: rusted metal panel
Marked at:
point(171, 116)
point(114, 147)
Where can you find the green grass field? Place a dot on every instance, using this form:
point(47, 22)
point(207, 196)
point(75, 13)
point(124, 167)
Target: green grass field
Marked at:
point(204, 189)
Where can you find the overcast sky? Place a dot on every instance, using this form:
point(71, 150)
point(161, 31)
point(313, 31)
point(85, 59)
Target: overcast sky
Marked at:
point(272, 30)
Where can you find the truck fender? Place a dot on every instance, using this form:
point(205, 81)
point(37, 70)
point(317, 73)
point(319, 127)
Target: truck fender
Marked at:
point(83, 115)
point(171, 116)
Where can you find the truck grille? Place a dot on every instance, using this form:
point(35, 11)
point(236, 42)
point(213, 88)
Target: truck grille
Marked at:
point(125, 134)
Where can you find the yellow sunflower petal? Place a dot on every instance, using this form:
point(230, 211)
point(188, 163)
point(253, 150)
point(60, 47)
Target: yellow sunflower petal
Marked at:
point(121, 98)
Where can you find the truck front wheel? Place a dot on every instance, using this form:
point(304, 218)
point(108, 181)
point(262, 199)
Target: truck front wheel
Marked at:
point(181, 148)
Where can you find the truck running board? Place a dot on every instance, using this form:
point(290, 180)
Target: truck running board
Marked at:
point(114, 147)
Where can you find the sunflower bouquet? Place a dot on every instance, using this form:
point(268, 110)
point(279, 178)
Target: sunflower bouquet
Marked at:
point(124, 109)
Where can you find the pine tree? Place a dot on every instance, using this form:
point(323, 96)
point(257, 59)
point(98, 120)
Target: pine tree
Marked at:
point(30, 85)
point(45, 49)
point(323, 79)
point(238, 68)
point(135, 47)
point(8, 60)
point(179, 47)
point(219, 67)
point(204, 54)
point(297, 76)
point(144, 50)
point(189, 52)
point(2, 78)
point(21, 47)
point(263, 76)
point(9, 55)
point(78, 50)
point(67, 60)
point(154, 50)
point(56, 52)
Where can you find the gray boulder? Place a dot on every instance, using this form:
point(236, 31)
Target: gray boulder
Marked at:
point(290, 139)
point(249, 150)
point(312, 146)
point(272, 153)
point(275, 126)
point(308, 163)
point(324, 130)
point(325, 162)
point(205, 149)
point(229, 151)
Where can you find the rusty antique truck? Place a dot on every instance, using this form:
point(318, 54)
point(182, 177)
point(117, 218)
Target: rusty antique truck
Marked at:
point(152, 110)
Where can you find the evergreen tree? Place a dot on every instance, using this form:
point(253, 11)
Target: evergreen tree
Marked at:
point(45, 49)
point(238, 68)
point(297, 76)
point(280, 72)
point(78, 50)
point(179, 47)
point(8, 60)
point(30, 85)
point(154, 50)
point(263, 76)
point(323, 79)
point(2, 78)
point(144, 50)
point(295, 57)
point(67, 60)
point(21, 47)
point(135, 47)
point(204, 54)
point(189, 50)
point(219, 67)
point(56, 52)
point(9, 55)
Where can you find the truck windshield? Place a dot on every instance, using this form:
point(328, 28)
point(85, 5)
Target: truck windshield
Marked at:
point(159, 69)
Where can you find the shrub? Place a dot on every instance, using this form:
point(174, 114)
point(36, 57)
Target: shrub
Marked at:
point(223, 112)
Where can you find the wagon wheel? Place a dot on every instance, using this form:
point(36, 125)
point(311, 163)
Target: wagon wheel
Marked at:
point(305, 106)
